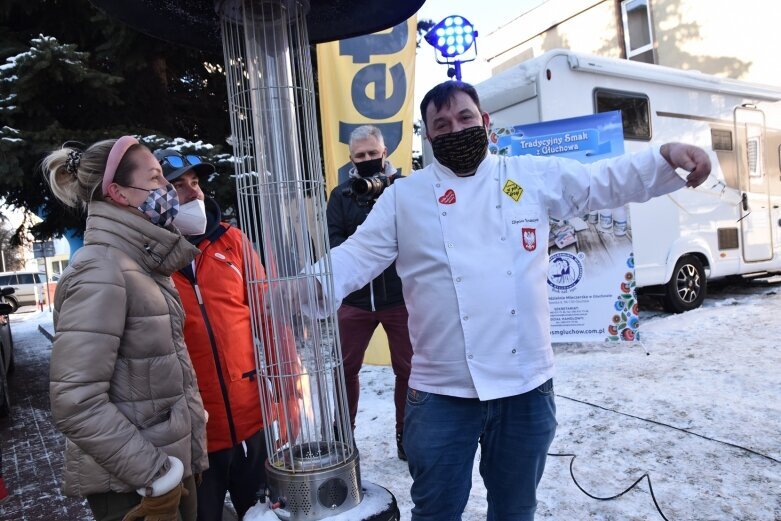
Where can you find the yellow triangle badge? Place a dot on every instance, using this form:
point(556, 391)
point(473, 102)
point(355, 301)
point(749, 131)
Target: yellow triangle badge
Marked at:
point(513, 189)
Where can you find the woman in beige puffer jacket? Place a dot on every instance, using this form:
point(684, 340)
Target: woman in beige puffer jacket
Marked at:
point(123, 390)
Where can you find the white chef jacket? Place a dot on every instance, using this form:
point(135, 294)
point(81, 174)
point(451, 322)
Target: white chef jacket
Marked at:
point(472, 256)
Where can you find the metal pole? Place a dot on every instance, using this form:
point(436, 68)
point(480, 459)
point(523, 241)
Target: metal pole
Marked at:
point(46, 285)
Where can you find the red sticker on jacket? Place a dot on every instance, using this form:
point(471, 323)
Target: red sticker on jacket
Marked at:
point(529, 238)
point(448, 198)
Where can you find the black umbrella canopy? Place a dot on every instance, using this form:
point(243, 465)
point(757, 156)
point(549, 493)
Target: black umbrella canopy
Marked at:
point(195, 23)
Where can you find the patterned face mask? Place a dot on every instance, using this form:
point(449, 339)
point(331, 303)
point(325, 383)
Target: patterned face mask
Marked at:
point(461, 151)
point(161, 205)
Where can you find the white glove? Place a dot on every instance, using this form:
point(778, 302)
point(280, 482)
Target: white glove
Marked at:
point(167, 482)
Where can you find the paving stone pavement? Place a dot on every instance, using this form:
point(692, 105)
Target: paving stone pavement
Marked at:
point(32, 448)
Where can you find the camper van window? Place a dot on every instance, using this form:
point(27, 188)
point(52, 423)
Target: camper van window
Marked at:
point(635, 111)
point(721, 139)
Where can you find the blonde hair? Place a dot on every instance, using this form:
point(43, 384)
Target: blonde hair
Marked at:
point(85, 185)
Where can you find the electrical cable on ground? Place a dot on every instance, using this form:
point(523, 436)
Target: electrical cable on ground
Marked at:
point(681, 429)
point(633, 485)
point(645, 475)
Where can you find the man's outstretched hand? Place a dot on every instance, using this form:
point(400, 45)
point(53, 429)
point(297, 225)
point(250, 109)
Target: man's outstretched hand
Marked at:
point(689, 157)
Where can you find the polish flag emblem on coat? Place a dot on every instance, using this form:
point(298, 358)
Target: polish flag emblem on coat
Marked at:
point(449, 197)
point(529, 238)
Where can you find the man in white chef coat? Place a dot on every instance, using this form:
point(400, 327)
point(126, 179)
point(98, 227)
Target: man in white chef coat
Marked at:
point(469, 237)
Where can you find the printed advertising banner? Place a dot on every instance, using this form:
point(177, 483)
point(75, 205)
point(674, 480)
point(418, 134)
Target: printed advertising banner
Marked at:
point(368, 79)
point(591, 278)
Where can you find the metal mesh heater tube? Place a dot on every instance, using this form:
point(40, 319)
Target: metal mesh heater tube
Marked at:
point(313, 464)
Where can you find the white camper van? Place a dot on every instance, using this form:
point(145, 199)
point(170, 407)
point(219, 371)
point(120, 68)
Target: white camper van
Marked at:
point(731, 225)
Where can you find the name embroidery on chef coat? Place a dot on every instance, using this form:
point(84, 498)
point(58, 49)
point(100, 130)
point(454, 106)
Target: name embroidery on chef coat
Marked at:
point(513, 189)
point(449, 197)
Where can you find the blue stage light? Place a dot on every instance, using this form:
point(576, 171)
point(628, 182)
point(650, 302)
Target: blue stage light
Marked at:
point(458, 35)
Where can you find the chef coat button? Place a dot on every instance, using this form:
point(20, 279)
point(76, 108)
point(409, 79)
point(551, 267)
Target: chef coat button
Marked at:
point(512, 312)
point(498, 205)
point(438, 185)
point(450, 245)
point(466, 317)
point(469, 357)
point(509, 272)
point(513, 351)
point(501, 238)
point(458, 279)
point(444, 213)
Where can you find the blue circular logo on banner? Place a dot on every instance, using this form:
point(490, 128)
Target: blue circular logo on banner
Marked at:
point(564, 271)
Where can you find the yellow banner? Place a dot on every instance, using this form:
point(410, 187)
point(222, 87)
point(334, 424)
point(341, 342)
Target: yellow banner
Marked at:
point(367, 80)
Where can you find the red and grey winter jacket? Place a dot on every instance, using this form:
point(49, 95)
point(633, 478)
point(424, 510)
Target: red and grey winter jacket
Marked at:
point(218, 333)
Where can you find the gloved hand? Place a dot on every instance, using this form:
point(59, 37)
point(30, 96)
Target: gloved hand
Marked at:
point(161, 498)
point(158, 508)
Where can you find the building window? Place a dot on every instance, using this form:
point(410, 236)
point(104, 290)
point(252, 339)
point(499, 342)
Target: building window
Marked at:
point(638, 31)
point(635, 111)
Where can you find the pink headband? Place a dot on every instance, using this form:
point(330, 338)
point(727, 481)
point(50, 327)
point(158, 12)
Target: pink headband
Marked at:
point(114, 157)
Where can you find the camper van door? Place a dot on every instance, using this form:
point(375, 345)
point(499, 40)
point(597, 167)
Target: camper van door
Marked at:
point(755, 215)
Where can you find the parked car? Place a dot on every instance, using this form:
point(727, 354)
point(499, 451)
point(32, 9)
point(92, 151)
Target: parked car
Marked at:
point(6, 351)
point(29, 286)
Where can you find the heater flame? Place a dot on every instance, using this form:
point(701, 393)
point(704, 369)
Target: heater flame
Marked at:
point(306, 405)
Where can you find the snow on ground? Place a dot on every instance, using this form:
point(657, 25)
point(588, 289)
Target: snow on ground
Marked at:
point(714, 372)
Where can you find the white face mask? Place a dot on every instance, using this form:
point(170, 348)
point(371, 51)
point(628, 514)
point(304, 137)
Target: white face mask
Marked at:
point(191, 219)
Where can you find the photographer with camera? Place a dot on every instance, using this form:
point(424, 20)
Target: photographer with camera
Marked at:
point(381, 301)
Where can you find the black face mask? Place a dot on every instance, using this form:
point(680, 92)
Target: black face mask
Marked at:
point(370, 167)
point(461, 151)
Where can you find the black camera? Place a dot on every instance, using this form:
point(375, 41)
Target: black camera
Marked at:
point(366, 190)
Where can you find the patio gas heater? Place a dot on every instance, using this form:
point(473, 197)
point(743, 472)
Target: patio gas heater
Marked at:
point(312, 470)
point(313, 466)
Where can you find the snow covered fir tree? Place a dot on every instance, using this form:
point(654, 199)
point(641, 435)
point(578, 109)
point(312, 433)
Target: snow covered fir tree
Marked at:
point(69, 73)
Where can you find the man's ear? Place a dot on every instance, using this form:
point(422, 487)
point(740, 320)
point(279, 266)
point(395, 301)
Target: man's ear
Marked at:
point(486, 120)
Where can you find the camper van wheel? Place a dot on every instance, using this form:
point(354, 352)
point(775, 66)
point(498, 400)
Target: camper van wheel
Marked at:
point(687, 287)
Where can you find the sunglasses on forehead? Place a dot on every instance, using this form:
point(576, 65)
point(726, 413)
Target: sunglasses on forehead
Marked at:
point(180, 161)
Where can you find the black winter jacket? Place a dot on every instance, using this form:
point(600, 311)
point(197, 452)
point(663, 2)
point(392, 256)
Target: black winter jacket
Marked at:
point(344, 216)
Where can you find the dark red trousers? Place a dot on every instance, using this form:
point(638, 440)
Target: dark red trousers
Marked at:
point(356, 328)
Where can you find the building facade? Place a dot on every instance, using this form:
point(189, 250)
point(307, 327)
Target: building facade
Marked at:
point(717, 37)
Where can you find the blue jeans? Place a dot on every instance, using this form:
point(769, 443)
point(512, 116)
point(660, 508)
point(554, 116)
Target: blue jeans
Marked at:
point(441, 434)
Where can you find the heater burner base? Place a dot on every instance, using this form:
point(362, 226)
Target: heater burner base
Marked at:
point(378, 504)
point(308, 493)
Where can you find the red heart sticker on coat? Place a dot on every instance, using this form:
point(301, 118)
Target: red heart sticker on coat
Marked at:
point(448, 198)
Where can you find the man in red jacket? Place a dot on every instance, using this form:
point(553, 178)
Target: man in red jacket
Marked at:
point(219, 338)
